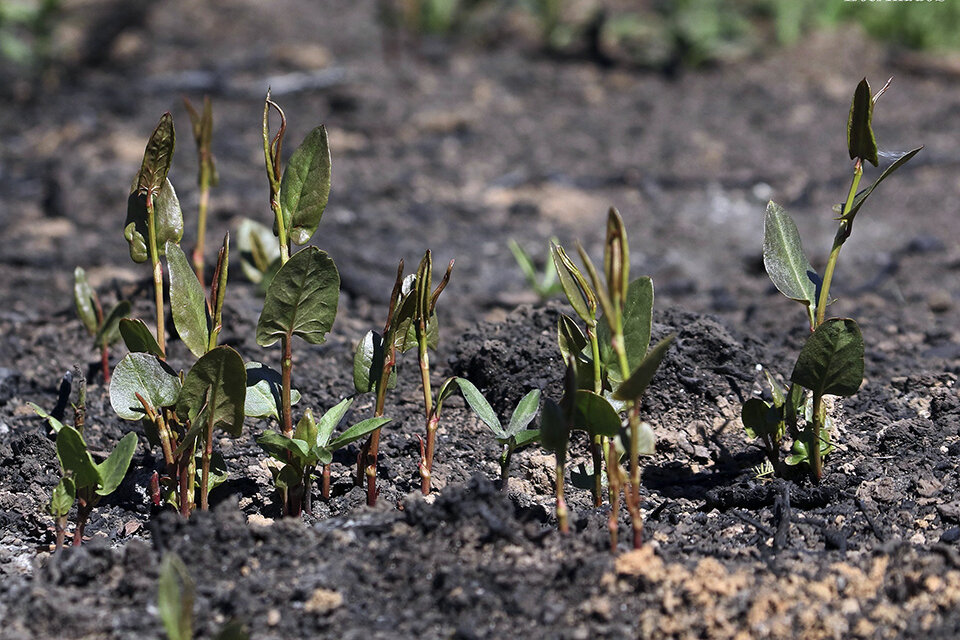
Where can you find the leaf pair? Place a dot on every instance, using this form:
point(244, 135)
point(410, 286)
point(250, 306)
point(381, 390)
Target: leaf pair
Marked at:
point(104, 329)
point(515, 433)
point(83, 472)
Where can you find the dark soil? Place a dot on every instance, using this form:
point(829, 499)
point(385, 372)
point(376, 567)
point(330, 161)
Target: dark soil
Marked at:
point(458, 151)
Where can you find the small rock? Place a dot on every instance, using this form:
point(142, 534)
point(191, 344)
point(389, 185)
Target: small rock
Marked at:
point(951, 535)
point(323, 602)
point(273, 617)
point(950, 511)
point(940, 301)
point(258, 520)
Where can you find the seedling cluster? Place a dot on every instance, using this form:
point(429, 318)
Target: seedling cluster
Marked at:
point(605, 345)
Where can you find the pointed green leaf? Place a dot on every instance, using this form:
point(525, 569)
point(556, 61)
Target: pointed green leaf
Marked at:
point(137, 337)
point(863, 195)
point(860, 139)
point(554, 429)
point(188, 304)
point(306, 428)
point(218, 379)
point(523, 261)
point(526, 437)
point(175, 598)
point(637, 325)
point(357, 431)
point(329, 422)
point(109, 331)
point(761, 420)
point(633, 387)
point(481, 407)
point(114, 468)
point(778, 392)
point(75, 459)
point(524, 413)
point(368, 364)
point(831, 361)
point(280, 446)
point(262, 399)
point(168, 219)
point(784, 259)
point(301, 300)
point(85, 300)
point(157, 156)
point(63, 497)
point(595, 415)
point(305, 187)
point(55, 424)
point(142, 373)
point(570, 338)
point(575, 287)
point(616, 257)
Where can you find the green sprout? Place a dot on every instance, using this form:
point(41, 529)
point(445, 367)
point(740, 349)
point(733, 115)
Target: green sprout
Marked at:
point(831, 360)
point(83, 481)
point(544, 284)
point(176, 594)
point(202, 124)
point(105, 329)
point(612, 361)
point(301, 298)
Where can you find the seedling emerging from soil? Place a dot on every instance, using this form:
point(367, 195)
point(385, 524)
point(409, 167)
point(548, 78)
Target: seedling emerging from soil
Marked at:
point(556, 422)
point(104, 329)
point(301, 299)
point(311, 445)
point(84, 481)
point(207, 177)
point(612, 363)
point(831, 361)
point(515, 435)
point(544, 284)
point(176, 593)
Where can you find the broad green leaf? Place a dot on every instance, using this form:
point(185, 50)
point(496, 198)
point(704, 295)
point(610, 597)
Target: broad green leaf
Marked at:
point(368, 364)
point(55, 424)
point(570, 338)
point(524, 413)
point(760, 419)
point(279, 446)
point(138, 338)
point(831, 361)
point(85, 301)
point(109, 331)
point(263, 392)
point(860, 139)
point(481, 407)
point(219, 380)
point(305, 187)
point(188, 304)
point(554, 430)
point(633, 387)
point(258, 249)
point(637, 325)
point(62, 498)
point(329, 422)
point(356, 432)
point(114, 468)
point(175, 594)
point(301, 300)
point(157, 156)
point(167, 216)
point(863, 195)
point(784, 259)
point(289, 475)
point(526, 437)
point(142, 373)
point(575, 287)
point(75, 459)
point(594, 414)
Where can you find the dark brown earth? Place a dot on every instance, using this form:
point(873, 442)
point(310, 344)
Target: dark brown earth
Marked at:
point(458, 151)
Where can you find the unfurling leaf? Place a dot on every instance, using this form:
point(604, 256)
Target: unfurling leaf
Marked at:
point(167, 216)
point(785, 261)
point(63, 497)
point(85, 300)
point(142, 373)
point(306, 429)
point(633, 387)
point(157, 156)
point(219, 381)
point(860, 139)
point(616, 257)
point(329, 421)
point(187, 302)
point(481, 407)
point(368, 363)
point(263, 391)
point(306, 186)
point(137, 337)
point(762, 420)
point(831, 361)
point(579, 294)
point(301, 300)
point(524, 412)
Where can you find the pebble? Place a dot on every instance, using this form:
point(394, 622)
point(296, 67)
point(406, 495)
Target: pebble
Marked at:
point(951, 535)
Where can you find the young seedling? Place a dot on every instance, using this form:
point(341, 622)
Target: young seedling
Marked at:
point(207, 177)
point(176, 594)
point(831, 361)
point(301, 299)
point(612, 362)
point(556, 422)
point(544, 284)
point(310, 446)
point(511, 438)
point(84, 481)
point(104, 329)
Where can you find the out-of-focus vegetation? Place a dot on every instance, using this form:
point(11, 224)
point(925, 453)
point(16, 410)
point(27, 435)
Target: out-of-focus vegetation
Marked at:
point(670, 33)
point(26, 31)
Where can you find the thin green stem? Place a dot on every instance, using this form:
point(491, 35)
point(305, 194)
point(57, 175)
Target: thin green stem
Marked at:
point(562, 513)
point(813, 437)
point(426, 466)
point(199, 249)
point(205, 463)
point(286, 367)
point(157, 271)
point(842, 234)
point(597, 445)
